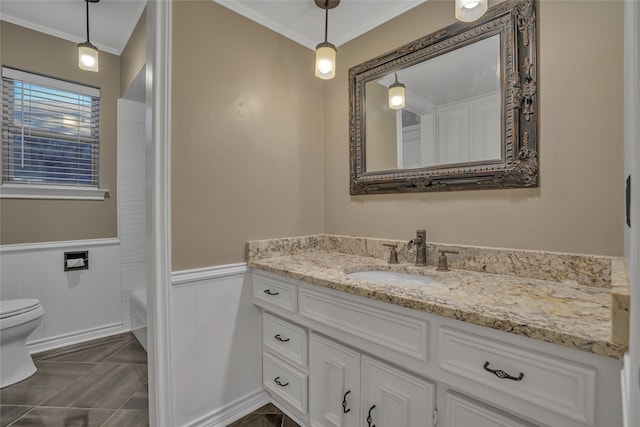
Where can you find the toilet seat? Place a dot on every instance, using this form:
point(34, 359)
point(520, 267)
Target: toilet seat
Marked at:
point(15, 307)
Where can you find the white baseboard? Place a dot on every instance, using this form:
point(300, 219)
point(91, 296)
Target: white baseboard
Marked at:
point(625, 374)
point(45, 344)
point(233, 411)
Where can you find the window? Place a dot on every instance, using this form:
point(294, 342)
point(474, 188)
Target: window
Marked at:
point(50, 138)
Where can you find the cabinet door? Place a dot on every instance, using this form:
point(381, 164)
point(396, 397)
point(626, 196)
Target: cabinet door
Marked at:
point(393, 398)
point(334, 385)
point(464, 412)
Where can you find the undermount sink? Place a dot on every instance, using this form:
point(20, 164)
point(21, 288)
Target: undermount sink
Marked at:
point(392, 278)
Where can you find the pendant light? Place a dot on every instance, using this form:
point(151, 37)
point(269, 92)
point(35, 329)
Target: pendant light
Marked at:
point(470, 10)
point(88, 53)
point(325, 51)
point(396, 95)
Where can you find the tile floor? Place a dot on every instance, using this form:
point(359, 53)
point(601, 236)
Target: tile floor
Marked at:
point(267, 416)
point(97, 383)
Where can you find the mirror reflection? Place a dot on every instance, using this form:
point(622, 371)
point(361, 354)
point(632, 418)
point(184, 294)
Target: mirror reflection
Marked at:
point(450, 114)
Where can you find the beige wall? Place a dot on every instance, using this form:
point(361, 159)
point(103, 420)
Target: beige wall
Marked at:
point(246, 136)
point(579, 205)
point(382, 146)
point(29, 221)
point(134, 54)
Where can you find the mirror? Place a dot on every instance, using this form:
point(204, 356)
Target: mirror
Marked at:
point(448, 99)
point(468, 118)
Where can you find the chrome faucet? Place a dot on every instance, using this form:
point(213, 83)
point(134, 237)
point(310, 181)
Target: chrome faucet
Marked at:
point(421, 247)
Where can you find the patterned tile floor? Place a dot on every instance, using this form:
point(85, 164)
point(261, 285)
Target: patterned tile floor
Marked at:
point(97, 383)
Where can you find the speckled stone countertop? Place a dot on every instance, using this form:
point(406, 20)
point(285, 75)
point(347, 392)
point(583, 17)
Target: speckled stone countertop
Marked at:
point(564, 312)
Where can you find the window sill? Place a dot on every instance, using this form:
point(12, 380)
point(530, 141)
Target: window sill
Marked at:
point(54, 192)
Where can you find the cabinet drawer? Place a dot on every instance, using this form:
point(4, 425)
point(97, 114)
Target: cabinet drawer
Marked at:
point(405, 334)
point(285, 382)
point(276, 292)
point(285, 339)
point(559, 385)
point(464, 412)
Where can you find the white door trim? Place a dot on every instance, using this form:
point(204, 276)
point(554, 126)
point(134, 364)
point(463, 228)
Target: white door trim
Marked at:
point(631, 374)
point(158, 202)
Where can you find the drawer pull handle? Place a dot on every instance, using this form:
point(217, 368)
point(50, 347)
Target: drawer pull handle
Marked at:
point(344, 402)
point(502, 374)
point(277, 381)
point(279, 338)
point(268, 292)
point(369, 419)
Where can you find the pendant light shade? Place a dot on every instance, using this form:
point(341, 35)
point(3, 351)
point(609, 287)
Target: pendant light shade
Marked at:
point(325, 51)
point(470, 10)
point(326, 61)
point(87, 57)
point(88, 53)
point(396, 95)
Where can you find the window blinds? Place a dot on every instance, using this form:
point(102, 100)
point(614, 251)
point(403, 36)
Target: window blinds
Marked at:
point(50, 130)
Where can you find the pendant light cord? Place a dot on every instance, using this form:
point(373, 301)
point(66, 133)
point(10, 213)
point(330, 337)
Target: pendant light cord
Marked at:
point(87, 2)
point(326, 19)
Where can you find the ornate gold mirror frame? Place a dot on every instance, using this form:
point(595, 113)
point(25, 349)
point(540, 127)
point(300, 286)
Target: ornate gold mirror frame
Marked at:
point(515, 22)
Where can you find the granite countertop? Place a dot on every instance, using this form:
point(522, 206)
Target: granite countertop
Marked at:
point(561, 312)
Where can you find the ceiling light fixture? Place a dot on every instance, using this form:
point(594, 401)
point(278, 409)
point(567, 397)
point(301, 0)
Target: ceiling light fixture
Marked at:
point(470, 10)
point(325, 51)
point(396, 95)
point(88, 53)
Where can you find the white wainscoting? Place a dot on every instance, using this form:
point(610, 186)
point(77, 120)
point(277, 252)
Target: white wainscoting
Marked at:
point(216, 346)
point(79, 305)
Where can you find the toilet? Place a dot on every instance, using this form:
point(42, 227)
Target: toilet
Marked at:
point(18, 318)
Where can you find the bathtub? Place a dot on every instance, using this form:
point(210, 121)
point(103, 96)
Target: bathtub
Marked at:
point(138, 304)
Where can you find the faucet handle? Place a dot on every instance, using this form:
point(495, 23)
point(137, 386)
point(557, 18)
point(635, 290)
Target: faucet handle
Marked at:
point(393, 253)
point(442, 261)
point(443, 252)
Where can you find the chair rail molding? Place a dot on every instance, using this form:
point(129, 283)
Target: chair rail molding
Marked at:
point(199, 274)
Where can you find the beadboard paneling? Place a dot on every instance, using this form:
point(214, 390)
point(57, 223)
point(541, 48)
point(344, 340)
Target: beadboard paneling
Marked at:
point(216, 345)
point(79, 305)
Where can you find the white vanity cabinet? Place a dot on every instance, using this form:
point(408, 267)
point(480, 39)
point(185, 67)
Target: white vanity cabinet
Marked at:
point(331, 359)
point(388, 397)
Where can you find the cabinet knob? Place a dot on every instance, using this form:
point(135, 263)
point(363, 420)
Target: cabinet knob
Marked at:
point(344, 402)
point(268, 292)
point(502, 374)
